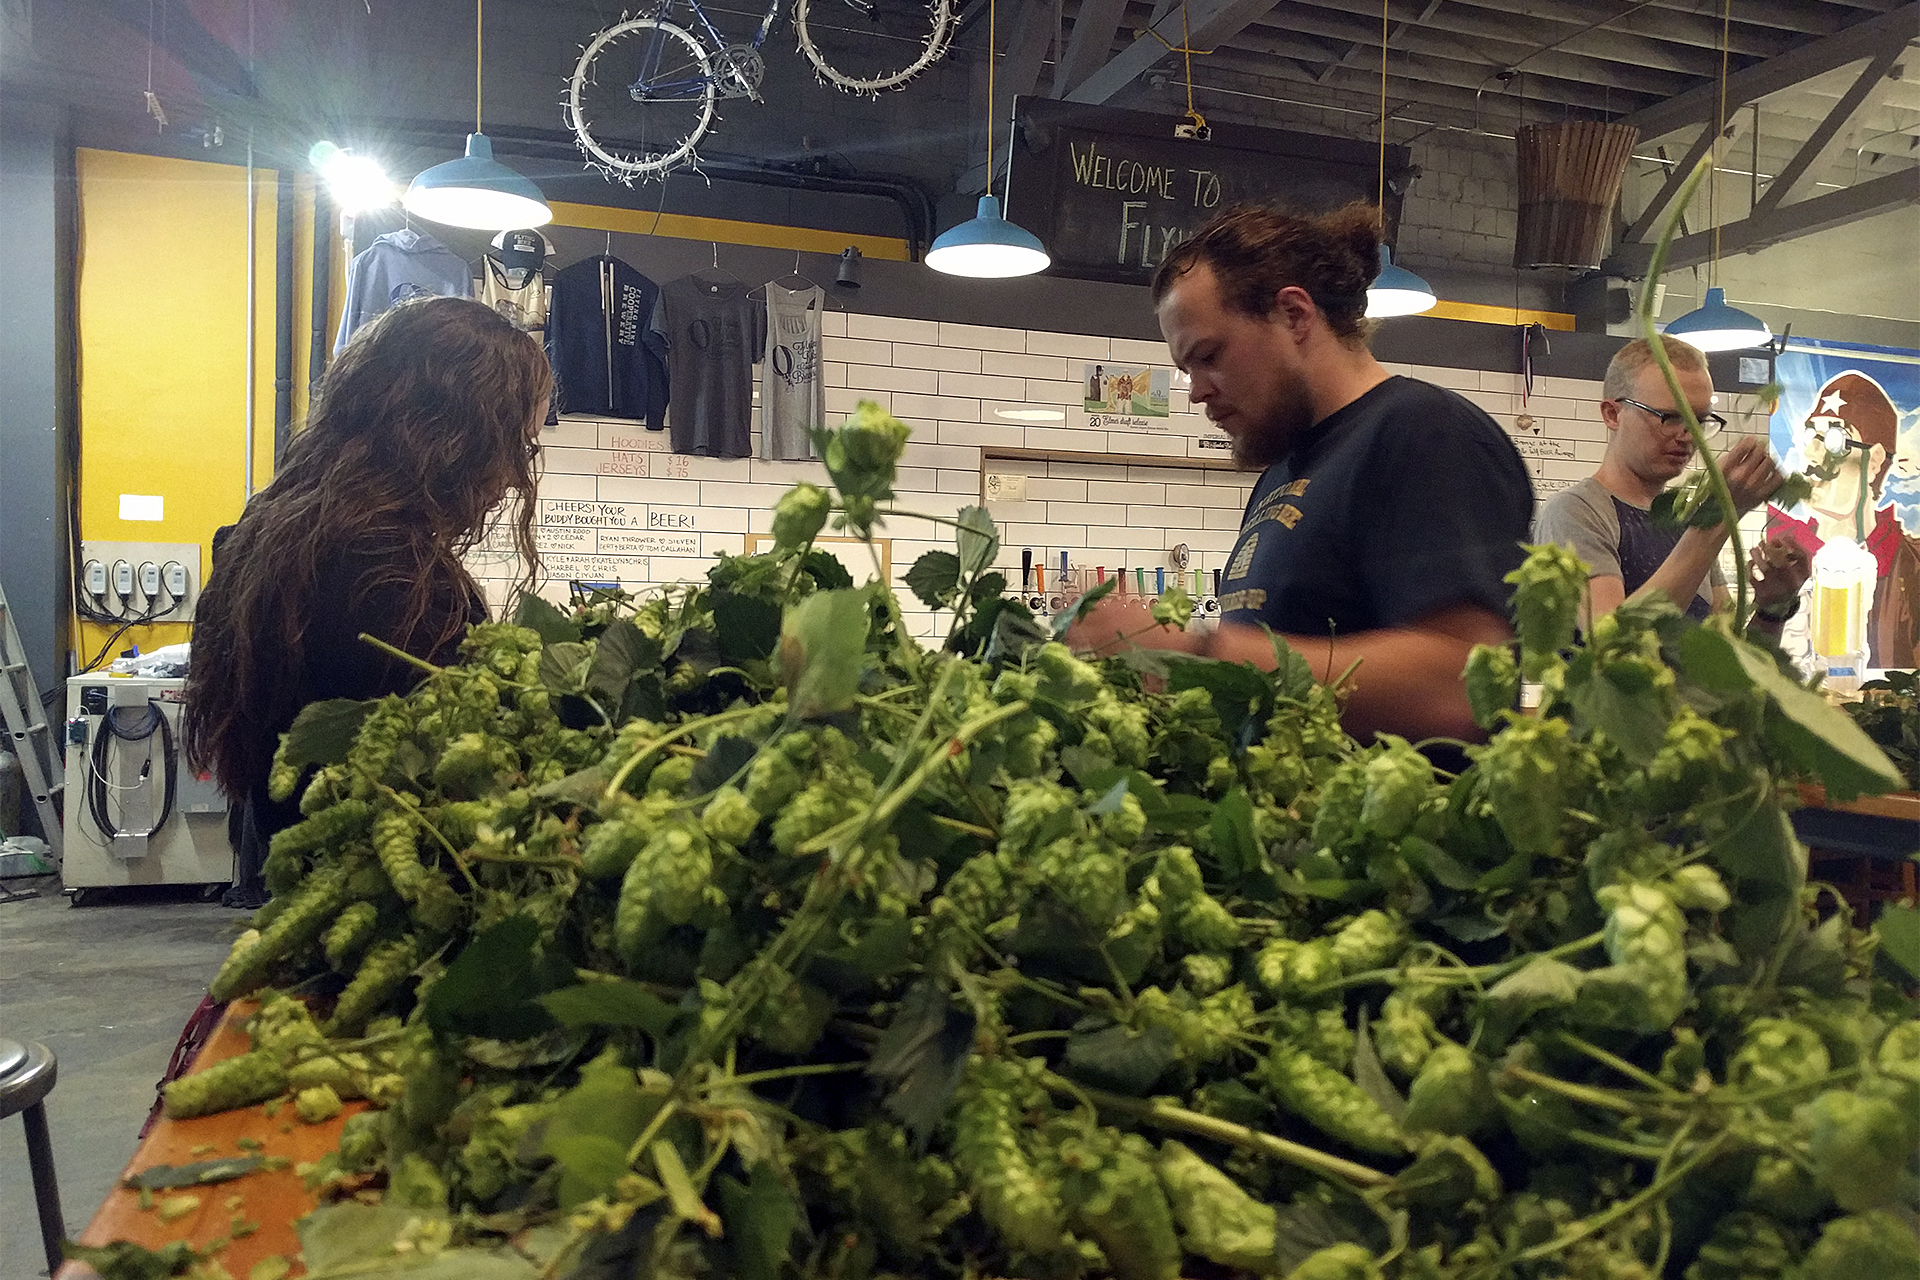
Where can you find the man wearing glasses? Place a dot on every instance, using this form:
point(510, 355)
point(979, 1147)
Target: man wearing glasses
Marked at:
point(1604, 519)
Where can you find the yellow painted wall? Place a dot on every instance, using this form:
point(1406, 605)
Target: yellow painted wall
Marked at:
point(162, 351)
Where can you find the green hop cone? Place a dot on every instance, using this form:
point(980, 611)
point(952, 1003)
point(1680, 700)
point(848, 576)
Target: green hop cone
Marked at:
point(1866, 1246)
point(1547, 590)
point(799, 515)
point(1860, 1147)
point(1493, 683)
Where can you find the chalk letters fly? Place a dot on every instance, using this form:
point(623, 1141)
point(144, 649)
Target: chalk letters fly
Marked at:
point(1112, 192)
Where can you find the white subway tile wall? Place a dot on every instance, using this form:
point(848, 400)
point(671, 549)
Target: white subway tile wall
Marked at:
point(614, 506)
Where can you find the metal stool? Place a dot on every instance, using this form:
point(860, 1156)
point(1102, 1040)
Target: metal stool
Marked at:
point(27, 1073)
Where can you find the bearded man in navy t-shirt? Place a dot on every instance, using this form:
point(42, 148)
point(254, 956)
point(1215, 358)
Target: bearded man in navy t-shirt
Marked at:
point(1389, 510)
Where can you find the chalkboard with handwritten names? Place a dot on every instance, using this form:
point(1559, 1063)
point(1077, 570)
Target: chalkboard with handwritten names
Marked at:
point(1110, 192)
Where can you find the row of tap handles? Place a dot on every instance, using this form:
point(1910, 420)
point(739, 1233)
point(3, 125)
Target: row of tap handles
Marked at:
point(1049, 591)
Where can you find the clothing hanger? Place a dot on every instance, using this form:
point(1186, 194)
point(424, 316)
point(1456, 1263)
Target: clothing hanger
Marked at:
point(796, 282)
point(717, 274)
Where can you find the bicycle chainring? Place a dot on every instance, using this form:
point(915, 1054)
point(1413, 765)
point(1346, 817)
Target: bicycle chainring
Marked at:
point(737, 71)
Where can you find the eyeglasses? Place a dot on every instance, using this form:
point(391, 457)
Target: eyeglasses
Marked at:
point(1709, 422)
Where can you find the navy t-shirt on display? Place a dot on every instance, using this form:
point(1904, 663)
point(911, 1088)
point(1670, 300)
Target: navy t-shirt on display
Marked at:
point(1406, 501)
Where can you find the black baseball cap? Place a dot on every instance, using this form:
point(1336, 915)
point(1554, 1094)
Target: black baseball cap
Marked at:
point(521, 250)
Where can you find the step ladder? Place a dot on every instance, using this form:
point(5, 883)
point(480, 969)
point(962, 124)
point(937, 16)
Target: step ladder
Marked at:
point(28, 734)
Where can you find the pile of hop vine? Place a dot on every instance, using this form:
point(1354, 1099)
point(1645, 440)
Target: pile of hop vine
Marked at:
point(730, 932)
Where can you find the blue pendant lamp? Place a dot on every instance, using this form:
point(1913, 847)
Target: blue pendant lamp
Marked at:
point(1715, 326)
point(987, 246)
point(476, 190)
point(1396, 291)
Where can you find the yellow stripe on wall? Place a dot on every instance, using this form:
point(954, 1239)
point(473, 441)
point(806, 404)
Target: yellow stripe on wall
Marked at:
point(765, 235)
point(161, 311)
point(1444, 310)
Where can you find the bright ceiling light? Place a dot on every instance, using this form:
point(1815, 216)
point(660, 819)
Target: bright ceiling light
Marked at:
point(1396, 291)
point(354, 183)
point(1031, 415)
point(988, 247)
point(1715, 326)
point(477, 191)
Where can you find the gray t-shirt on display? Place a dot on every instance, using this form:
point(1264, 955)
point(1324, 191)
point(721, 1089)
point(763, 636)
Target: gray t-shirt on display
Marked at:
point(713, 331)
point(792, 397)
point(1615, 538)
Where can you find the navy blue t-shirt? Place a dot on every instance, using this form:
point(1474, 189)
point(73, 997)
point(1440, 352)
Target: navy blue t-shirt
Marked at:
point(1406, 501)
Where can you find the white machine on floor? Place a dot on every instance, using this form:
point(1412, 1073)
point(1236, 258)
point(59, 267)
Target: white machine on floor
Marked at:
point(135, 814)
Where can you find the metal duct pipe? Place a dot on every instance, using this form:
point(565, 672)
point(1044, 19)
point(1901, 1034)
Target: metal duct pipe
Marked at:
point(915, 203)
point(322, 287)
point(282, 315)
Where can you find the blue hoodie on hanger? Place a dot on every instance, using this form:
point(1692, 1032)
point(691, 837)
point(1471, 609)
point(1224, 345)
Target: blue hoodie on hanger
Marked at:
point(399, 265)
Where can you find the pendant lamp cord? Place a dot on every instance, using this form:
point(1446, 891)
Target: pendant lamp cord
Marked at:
point(992, 44)
point(1719, 132)
point(1382, 200)
point(479, 58)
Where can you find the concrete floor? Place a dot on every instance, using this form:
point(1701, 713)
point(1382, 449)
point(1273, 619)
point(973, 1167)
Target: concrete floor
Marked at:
point(107, 988)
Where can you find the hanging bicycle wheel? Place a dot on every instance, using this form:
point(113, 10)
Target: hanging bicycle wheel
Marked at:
point(641, 98)
point(865, 46)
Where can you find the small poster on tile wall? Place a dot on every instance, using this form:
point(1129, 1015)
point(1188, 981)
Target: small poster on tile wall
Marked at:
point(1138, 391)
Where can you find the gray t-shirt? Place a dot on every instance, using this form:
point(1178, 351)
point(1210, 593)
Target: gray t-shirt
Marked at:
point(1615, 538)
point(713, 331)
point(792, 395)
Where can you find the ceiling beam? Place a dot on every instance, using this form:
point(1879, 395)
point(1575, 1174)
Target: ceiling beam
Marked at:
point(1676, 178)
point(1501, 101)
point(1206, 24)
point(1095, 24)
point(1530, 31)
point(1689, 28)
point(1417, 79)
point(1803, 16)
point(1814, 155)
point(1354, 50)
point(1789, 222)
point(1702, 105)
point(1487, 55)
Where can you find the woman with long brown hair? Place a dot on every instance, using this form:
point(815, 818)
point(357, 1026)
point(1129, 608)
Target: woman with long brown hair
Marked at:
point(424, 425)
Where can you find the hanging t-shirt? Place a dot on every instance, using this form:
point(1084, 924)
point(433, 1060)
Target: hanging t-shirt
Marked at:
point(605, 357)
point(517, 293)
point(713, 330)
point(792, 398)
point(397, 266)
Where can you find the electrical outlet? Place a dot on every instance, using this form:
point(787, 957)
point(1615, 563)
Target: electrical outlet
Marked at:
point(94, 580)
point(158, 573)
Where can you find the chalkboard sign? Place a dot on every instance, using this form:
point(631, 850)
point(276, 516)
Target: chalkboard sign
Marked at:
point(1111, 192)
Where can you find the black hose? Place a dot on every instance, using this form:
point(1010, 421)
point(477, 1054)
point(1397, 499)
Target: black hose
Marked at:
point(153, 721)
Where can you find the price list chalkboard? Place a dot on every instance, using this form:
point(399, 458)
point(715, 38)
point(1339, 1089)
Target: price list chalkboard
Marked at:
point(1111, 192)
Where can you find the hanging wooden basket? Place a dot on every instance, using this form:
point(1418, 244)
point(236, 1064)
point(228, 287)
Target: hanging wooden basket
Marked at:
point(1570, 176)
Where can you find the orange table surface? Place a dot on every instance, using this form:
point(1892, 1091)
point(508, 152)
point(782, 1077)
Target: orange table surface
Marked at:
point(273, 1198)
point(1895, 804)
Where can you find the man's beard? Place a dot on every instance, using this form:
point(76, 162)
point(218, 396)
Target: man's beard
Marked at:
point(1269, 439)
